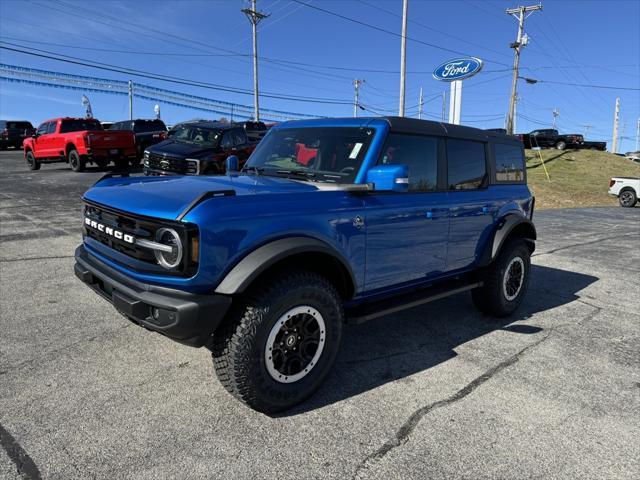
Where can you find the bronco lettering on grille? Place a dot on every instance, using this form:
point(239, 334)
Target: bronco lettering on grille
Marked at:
point(109, 231)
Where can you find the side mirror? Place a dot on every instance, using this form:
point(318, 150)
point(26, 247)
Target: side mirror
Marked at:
point(232, 164)
point(391, 178)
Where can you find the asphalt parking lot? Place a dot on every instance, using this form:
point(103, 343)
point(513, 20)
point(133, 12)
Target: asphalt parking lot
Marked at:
point(434, 392)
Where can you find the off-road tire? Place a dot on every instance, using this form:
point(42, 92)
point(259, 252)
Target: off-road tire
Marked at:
point(561, 145)
point(32, 163)
point(627, 198)
point(490, 298)
point(238, 346)
point(76, 162)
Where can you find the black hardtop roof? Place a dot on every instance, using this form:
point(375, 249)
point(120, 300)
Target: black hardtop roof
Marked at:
point(429, 127)
point(209, 124)
point(137, 120)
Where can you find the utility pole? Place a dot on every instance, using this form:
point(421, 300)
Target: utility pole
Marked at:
point(616, 119)
point(403, 56)
point(444, 104)
point(130, 100)
point(520, 13)
point(587, 127)
point(356, 97)
point(255, 17)
point(420, 103)
point(556, 114)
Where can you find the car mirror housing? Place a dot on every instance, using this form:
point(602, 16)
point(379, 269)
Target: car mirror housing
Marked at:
point(232, 164)
point(393, 178)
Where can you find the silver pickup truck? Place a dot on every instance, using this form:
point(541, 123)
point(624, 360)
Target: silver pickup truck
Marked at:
point(627, 189)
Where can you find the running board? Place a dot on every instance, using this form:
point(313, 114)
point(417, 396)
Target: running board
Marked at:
point(414, 299)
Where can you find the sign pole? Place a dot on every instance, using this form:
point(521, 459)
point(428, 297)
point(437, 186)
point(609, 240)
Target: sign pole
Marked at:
point(455, 102)
point(454, 72)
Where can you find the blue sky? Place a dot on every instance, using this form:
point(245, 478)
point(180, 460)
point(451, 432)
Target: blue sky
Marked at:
point(579, 42)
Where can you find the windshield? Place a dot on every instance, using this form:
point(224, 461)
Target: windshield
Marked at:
point(144, 126)
point(197, 135)
point(79, 125)
point(328, 154)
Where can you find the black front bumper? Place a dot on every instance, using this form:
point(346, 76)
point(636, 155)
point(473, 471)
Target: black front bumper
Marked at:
point(182, 316)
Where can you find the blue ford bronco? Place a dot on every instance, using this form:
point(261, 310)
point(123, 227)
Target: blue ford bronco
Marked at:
point(330, 221)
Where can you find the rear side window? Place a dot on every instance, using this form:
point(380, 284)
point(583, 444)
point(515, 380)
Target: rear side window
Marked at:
point(79, 125)
point(509, 163)
point(467, 166)
point(419, 154)
point(144, 126)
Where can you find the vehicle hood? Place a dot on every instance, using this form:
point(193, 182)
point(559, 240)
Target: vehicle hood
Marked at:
point(168, 197)
point(174, 148)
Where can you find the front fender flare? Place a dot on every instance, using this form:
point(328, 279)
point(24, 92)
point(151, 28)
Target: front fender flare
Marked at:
point(259, 260)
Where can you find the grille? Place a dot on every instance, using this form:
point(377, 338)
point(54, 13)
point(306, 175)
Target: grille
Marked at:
point(167, 164)
point(127, 225)
point(141, 228)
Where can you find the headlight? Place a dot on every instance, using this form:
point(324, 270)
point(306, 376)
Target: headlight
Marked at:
point(146, 158)
point(169, 237)
point(193, 166)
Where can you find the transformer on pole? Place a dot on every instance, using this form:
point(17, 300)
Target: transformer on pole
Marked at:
point(521, 40)
point(255, 17)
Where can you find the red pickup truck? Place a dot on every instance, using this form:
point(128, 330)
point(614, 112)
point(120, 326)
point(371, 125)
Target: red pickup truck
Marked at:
point(78, 141)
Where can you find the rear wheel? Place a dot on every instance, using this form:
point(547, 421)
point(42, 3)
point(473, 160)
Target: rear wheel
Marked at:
point(505, 281)
point(76, 162)
point(32, 163)
point(627, 198)
point(280, 341)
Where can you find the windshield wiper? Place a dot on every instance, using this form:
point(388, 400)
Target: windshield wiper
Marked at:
point(297, 173)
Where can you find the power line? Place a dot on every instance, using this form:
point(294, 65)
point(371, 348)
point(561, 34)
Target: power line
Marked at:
point(166, 78)
point(427, 27)
point(388, 32)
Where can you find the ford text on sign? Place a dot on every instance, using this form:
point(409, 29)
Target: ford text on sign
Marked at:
point(458, 69)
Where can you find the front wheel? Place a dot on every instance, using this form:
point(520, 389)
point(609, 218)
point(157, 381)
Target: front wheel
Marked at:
point(32, 163)
point(76, 162)
point(505, 281)
point(561, 145)
point(627, 198)
point(280, 341)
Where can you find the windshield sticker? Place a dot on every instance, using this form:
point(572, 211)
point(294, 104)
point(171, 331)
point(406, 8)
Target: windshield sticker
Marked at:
point(356, 150)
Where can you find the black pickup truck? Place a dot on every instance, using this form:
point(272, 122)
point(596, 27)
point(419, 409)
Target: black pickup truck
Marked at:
point(147, 132)
point(198, 148)
point(550, 138)
point(12, 133)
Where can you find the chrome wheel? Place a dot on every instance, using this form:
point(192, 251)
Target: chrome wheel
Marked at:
point(513, 278)
point(295, 344)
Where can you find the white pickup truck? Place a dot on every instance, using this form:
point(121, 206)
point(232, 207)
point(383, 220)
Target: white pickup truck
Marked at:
point(627, 189)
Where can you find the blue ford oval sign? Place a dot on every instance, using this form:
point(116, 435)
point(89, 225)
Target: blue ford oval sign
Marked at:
point(458, 69)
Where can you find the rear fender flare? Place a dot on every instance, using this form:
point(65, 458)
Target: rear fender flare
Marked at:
point(508, 224)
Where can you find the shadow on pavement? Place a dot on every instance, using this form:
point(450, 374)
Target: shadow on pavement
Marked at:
point(397, 346)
